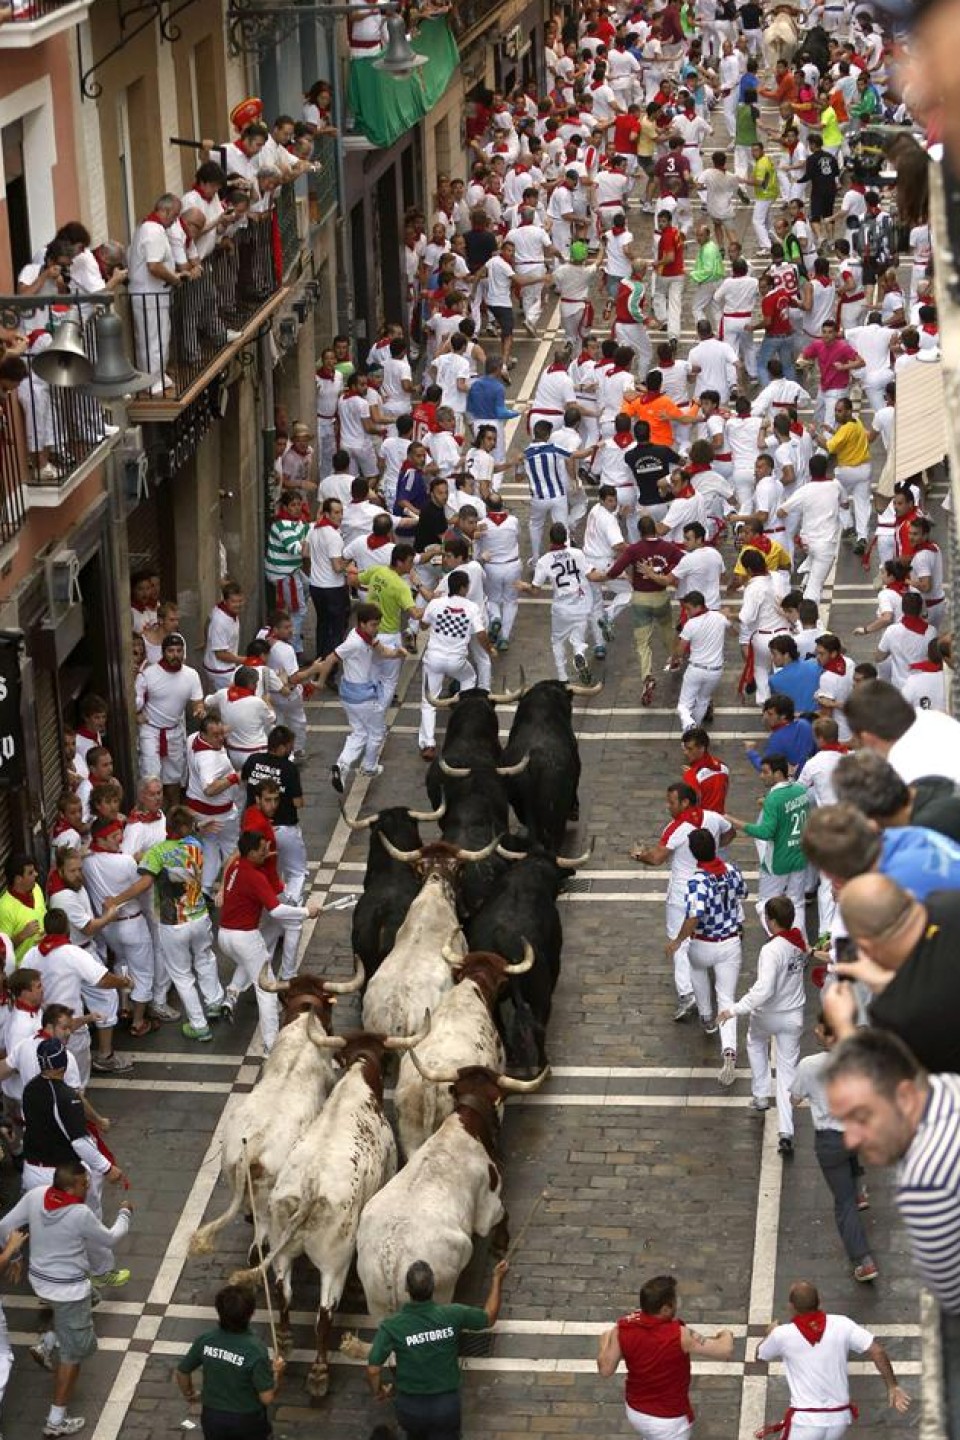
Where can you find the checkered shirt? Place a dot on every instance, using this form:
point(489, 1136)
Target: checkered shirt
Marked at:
point(452, 624)
point(714, 901)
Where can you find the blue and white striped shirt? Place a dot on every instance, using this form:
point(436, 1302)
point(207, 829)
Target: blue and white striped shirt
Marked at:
point(546, 469)
point(928, 1191)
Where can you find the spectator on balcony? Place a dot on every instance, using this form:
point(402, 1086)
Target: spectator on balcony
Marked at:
point(269, 180)
point(111, 258)
point(85, 273)
point(301, 146)
point(36, 402)
point(203, 320)
point(366, 34)
point(153, 278)
point(276, 151)
point(48, 276)
point(317, 108)
point(205, 197)
point(241, 157)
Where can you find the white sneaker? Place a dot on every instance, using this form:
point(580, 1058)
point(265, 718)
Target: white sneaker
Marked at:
point(728, 1070)
point(69, 1425)
point(372, 774)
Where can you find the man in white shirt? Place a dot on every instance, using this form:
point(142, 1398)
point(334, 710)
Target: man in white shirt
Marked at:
point(736, 299)
point(713, 363)
point(531, 250)
point(359, 514)
point(452, 373)
point(163, 693)
point(818, 506)
point(874, 342)
point(361, 695)
point(221, 653)
point(703, 636)
point(323, 547)
point(815, 1349)
point(602, 542)
point(760, 619)
point(329, 388)
point(248, 718)
point(152, 278)
point(906, 642)
point(915, 742)
point(106, 872)
point(357, 427)
point(213, 788)
point(564, 570)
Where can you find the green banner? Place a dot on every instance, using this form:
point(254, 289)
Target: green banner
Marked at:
point(385, 108)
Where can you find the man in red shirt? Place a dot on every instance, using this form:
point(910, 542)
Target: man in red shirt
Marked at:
point(705, 773)
point(249, 895)
point(668, 296)
point(775, 301)
point(656, 1347)
point(651, 602)
point(258, 817)
point(626, 128)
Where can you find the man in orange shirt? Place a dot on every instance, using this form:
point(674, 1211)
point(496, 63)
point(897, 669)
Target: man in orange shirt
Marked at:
point(785, 86)
point(659, 410)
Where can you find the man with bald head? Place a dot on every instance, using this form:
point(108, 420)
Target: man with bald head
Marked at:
point(815, 1348)
point(906, 956)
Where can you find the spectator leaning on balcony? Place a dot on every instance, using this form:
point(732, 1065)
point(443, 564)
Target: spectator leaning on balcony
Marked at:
point(153, 276)
point(205, 197)
point(242, 157)
point(276, 149)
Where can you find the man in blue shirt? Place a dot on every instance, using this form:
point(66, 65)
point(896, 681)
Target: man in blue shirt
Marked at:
point(792, 676)
point(789, 737)
point(843, 843)
point(487, 402)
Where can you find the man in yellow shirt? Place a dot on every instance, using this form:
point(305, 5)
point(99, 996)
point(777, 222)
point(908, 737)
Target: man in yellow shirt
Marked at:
point(776, 558)
point(22, 906)
point(850, 447)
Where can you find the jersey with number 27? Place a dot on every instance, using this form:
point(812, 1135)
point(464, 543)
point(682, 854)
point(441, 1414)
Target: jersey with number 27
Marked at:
point(565, 573)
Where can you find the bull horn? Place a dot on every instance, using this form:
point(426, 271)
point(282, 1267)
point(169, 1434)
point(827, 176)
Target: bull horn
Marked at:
point(347, 987)
point(422, 815)
point(319, 1036)
point(267, 982)
point(523, 965)
point(522, 1087)
point(456, 772)
point(449, 954)
point(359, 824)
point(508, 697)
point(407, 1042)
point(517, 769)
point(506, 854)
point(570, 862)
point(439, 704)
point(472, 857)
point(410, 857)
point(435, 1077)
point(584, 689)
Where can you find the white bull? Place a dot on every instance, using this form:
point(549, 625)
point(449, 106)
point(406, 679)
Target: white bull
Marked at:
point(463, 1033)
point(449, 1191)
point(415, 975)
point(339, 1163)
point(781, 38)
point(261, 1128)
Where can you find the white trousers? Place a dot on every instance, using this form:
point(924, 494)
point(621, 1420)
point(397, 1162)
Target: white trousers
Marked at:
point(761, 666)
point(745, 484)
point(760, 222)
point(703, 302)
point(786, 1028)
point(540, 511)
point(737, 333)
point(248, 951)
point(820, 1432)
point(289, 931)
point(722, 962)
point(696, 693)
point(571, 318)
point(792, 885)
point(388, 671)
point(818, 564)
point(132, 944)
point(825, 407)
point(567, 630)
point(218, 836)
point(291, 860)
point(151, 329)
point(531, 302)
point(675, 916)
point(638, 338)
point(855, 480)
point(172, 767)
point(656, 1427)
point(6, 1355)
point(668, 301)
point(292, 713)
point(434, 674)
point(501, 578)
point(187, 952)
point(368, 726)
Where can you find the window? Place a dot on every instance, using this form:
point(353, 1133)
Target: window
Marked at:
point(18, 208)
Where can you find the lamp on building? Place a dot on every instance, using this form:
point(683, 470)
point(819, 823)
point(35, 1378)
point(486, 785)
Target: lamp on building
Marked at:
point(399, 59)
point(114, 376)
point(65, 362)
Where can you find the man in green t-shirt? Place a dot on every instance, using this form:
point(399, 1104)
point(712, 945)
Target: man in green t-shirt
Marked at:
point(422, 1337)
point(388, 587)
point(783, 865)
point(239, 1378)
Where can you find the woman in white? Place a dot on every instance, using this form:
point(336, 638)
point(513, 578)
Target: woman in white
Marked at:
point(774, 1004)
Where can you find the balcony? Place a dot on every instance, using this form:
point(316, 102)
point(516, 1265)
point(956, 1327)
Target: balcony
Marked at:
point(322, 184)
point(186, 335)
point(12, 467)
point(383, 107)
point(470, 17)
point(31, 22)
point(64, 435)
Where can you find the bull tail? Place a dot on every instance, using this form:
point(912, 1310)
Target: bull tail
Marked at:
point(202, 1240)
point(251, 1276)
point(354, 1347)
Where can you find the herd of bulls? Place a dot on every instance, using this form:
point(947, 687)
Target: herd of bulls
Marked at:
point(457, 947)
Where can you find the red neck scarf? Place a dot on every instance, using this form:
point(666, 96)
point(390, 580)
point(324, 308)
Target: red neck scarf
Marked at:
point(325, 373)
point(325, 523)
point(925, 545)
point(811, 1325)
point(156, 219)
point(930, 329)
point(899, 587)
point(692, 816)
point(225, 609)
point(27, 1009)
point(239, 692)
point(497, 517)
point(794, 938)
point(25, 899)
point(835, 665)
point(170, 669)
point(839, 750)
point(52, 942)
point(623, 439)
point(759, 542)
point(712, 867)
point(927, 667)
point(367, 639)
point(915, 624)
point(93, 735)
point(147, 817)
point(376, 542)
point(688, 492)
point(54, 1199)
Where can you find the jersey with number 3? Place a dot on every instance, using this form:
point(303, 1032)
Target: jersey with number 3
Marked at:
point(565, 573)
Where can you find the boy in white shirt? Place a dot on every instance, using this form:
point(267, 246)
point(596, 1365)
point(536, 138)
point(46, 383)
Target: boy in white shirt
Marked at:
point(360, 695)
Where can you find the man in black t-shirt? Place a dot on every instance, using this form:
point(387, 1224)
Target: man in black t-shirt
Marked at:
point(822, 174)
point(649, 464)
point(275, 764)
point(907, 956)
